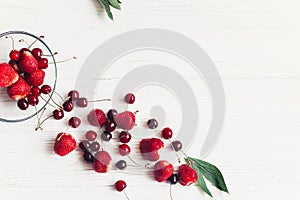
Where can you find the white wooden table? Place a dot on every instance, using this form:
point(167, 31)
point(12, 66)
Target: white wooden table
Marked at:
point(254, 45)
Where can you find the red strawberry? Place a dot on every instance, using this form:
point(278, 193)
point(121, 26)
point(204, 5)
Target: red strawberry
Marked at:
point(163, 170)
point(125, 120)
point(19, 90)
point(102, 162)
point(187, 175)
point(96, 117)
point(35, 78)
point(27, 62)
point(149, 148)
point(64, 144)
point(8, 75)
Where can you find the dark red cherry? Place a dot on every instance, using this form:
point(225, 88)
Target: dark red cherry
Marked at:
point(35, 90)
point(124, 149)
point(129, 98)
point(43, 63)
point(37, 53)
point(68, 106)
point(23, 104)
point(91, 135)
point(58, 114)
point(33, 100)
point(82, 102)
point(124, 137)
point(14, 55)
point(74, 122)
point(46, 89)
point(120, 185)
point(73, 95)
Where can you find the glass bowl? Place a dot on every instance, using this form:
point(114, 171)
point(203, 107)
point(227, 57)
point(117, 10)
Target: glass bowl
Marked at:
point(9, 111)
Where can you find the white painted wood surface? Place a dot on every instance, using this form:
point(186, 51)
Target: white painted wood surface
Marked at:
point(255, 46)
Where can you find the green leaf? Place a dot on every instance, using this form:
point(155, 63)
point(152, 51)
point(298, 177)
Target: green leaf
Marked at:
point(115, 4)
point(106, 7)
point(210, 172)
point(201, 181)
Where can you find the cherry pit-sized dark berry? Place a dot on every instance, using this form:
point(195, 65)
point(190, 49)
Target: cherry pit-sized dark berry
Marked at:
point(120, 185)
point(110, 126)
point(91, 135)
point(68, 106)
point(177, 145)
point(84, 145)
point(46, 89)
point(58, 114)
point(43, 63)
point(152, 123)
point(33, 100)
point(73, 95)
point(95, 146)
point(82, 102)
point(23, 104)
point(173, 179)
point(88, 157)
point(111, 113)
point(74, 122)
point(129, 98)
point(124, 137)
point(106, 136)
point(121, 164)
point(35, 90)
point(124, 149)
point(37, 53)
point(167, 133)
point(15, 55)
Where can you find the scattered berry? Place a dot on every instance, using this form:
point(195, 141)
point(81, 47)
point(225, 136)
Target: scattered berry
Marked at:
point(121, 164)
point(102, 162)
point(23, 104)
point(120, 185)
point(91, 135)
point(82, 102)
point(177, 145)
point(110, 126)
point(111, 113)
point(64, 144)
point(88, 157)
point(129, 98)
point(167, 133)
point(68, 106)
point(186, 175)
point(73, 95)
point(58, 114)
point(173, 179)
point(74, 122)
point(46, 89)
point(95, 146)
point(84, 145)
point(125, 120)
point(163, 170)
point(8, 75)
point(149, 148)
point(106, 136)
point(152, 123)
point(124, 149)
point(96, 117)
point(124, 137)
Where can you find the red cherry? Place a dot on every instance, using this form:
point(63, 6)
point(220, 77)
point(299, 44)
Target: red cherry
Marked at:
point(82, 102)
point(95, 146)
point(23, 50)
point(91, 135)
point(74, 122)
point(37, 53)
point(167, 133)
point(124, 149)
point(36, 91)
point(129, 98)
point(120, 185)
point(33, 100)
point(73, 95)
point(43, 63)
point(46, 89)
point(14, 55)
point(68, 106)
point(110, 126)
point(22, 104)
point(124, 137)
point(58, 114)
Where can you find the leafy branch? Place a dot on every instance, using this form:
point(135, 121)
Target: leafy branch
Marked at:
point(108, 4)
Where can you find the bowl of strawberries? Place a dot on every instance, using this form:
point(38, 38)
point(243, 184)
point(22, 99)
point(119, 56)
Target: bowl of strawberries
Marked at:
point(28, 75)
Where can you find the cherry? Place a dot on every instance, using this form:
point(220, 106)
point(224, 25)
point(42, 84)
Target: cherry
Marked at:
point(33, 100)
point(73, 95)
point(35, 90)
point(95, 146)
point(46, 89)
point(120, 185)
point(37, 53)
point(111, 113)
point(84, 145)
point(14, 55)
point(43, 63)
point(129, 98)
point(177, 145)
point(124, 149)
point(82, 102)
point(121, 164)
point(125, 137)
point(173, 179)
point(22, 104)
point(152, 123)
point(167, 133)
point(106, 136)
point(110, 126)
point(91, 135)
point(58, 114)
point(74, 122)
point(68, 106)
point(88, 157)
point(23, 50)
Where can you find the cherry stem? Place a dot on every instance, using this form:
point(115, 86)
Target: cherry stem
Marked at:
point(100, 100)
point(38, 120)
point(175, 151)
point(126, 195)
point(12, 41)
point(136, 112)
point(22, 40)
point(62, 61)
point(171, 197)
point(46, 119)
point(34, 42)
point(55, 102)
point(137, 164)
point(47, 55)
point(59, 96)
point(49, 103)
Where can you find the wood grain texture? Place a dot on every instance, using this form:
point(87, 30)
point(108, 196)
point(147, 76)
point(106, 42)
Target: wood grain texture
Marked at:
point(254, 45)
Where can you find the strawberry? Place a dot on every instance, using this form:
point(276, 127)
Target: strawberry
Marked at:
point(102, 162)
point(27, 62)
point(96, 117)
point(36, 78)
point(64, 144)
point(8, 75)
point(163, 170)
point(186, 175)
point(14, 64)
point(19, 90)
point(149, 148)
point(125, 120)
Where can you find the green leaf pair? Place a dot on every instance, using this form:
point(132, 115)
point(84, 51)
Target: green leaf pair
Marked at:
point(210, 172)
point(110, 3)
